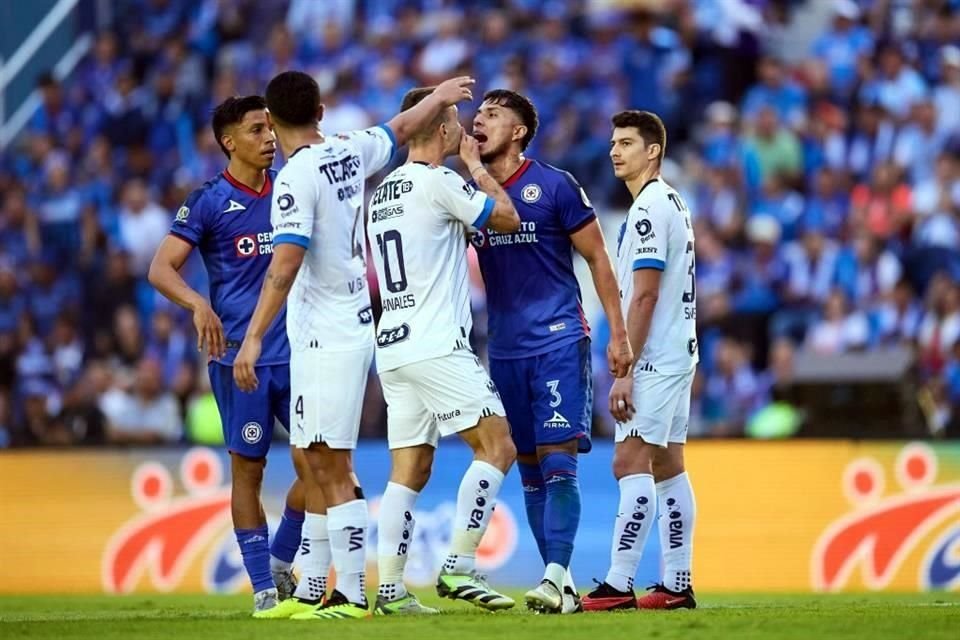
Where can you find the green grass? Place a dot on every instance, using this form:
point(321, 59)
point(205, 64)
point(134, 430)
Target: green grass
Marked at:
point(740, 617)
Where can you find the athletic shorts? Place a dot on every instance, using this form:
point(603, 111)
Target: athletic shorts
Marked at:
point(247, 418)
point(326, 396)
point(663, 408)
point(548, 397)
point(438, 397)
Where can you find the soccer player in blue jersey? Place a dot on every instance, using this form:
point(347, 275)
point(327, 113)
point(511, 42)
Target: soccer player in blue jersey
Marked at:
point(539, 346)
point(228, 219)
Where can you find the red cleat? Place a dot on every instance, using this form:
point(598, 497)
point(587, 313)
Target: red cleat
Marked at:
point(606, 598)
point(660, 597)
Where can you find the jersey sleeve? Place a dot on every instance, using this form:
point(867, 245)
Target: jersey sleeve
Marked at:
point(462, 202)
point(651, 228)
point(574, 206)
point(189, 223)
point(295, 196)
point(377, 146)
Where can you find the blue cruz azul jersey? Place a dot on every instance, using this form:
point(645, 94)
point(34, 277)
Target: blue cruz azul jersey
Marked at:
point(533, 296)
point(230, 224)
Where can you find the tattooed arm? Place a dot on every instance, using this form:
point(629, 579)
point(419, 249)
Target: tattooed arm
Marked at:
point(286, 261)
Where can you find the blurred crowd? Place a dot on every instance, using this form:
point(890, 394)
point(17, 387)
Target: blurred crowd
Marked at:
point(823, 171)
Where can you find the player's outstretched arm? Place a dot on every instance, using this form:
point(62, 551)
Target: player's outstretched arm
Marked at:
point(284, 264)
point(165, 277)
point(504, 217)
point(448, 93)
point(590, 244)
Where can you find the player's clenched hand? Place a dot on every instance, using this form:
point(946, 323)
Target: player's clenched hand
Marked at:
point(455, 90)
point(469, 151)
point(243, 365)
point(619, 356)
point(621, 399)
point(209, 331)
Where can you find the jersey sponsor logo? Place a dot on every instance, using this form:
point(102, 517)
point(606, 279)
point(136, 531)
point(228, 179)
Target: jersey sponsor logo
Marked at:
point(448, 415)
point(234, 206)
point(250, 245)
point(285, 202)
point(526, 235)
point(642, 250)
point(393, 211)
point(469, 189)
point(341, 170)
point(406, 301)
point(182, 214)
point(692, 346)
point(349, 191)
point(531, 193)
point(391, 190)
point(365, 315)
point(557, 421)
point(246, 246)
point(478, 239)
point(387, 337)
point(252, 432)
point(356, 285)
point(559, 326)
point(645, 230)
point(289, 225)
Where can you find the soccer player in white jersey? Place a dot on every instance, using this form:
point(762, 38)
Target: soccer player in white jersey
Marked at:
point(433, 382)
point(318, 268)
point(656, 270)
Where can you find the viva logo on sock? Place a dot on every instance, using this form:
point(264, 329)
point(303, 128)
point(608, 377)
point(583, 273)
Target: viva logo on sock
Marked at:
point(304, 547)
point(631, 530)
point(356, 538)
point(476, 516)
point(676, 525)
point(404, 546)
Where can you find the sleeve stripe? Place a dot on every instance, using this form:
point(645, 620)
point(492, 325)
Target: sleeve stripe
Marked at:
point(582, 224)
point(485, 214)
point(292, 238)
point(186, 239)
point(393, 139)
point(645, 263)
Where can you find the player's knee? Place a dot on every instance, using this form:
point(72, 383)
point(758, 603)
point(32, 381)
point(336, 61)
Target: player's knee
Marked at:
point(627, 462)
point(503, 453)
point(247, 472)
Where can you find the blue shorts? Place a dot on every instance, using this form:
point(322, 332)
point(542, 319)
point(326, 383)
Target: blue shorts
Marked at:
point(247, 418)
point(549, 397)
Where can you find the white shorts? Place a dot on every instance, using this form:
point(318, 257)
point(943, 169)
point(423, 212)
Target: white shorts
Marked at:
point(326, 396)
point(437, 397)
point(663, 408)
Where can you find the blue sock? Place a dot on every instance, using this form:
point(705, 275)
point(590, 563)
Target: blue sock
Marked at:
point(562, 510)
point(286, 540)
point(535, 497)
point(256, 556)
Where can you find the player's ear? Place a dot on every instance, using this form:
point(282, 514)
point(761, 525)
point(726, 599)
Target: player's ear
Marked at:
point(320, 113)
point(519, 132)
point(227, 141)
point(653, 151)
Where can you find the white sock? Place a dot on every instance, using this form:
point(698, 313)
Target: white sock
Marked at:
point(638, 500)
point(314, 558)
point(678, 511)
point(568, 581)
point(348, 545)
point(475, 501)
point(394, 537)
point(555, 573)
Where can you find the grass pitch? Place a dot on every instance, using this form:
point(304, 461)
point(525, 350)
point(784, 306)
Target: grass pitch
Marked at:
point(740, 617)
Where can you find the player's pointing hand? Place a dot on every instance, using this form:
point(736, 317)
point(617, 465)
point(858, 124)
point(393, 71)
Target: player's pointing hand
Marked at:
point(243, 365)
point(455, 90)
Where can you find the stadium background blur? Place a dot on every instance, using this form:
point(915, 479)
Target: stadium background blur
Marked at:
point(817, 144)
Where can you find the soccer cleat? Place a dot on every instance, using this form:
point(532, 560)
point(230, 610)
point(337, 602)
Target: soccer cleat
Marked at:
point(265, 603)
point(286, 584)
point(336, 608)
point(545, 598)
point(659, 597)
point(292, 607)
point(408, 605)
point(606, 598)
point(472, 588)
point(571, 601)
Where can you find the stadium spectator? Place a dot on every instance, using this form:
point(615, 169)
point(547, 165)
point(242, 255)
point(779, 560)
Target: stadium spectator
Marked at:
point(146, 414)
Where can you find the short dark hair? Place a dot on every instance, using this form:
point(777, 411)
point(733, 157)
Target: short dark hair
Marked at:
point(293, 98)
point(231, 111)
point(414, 97)
point(520, 105)
point(648, 124)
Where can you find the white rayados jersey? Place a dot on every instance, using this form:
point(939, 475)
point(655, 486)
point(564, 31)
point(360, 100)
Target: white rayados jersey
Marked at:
point(318, 204)
point(418, 224)
point(658, 234)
